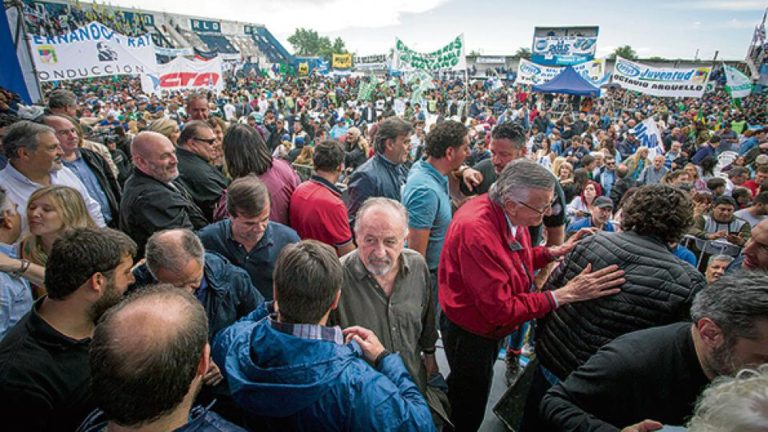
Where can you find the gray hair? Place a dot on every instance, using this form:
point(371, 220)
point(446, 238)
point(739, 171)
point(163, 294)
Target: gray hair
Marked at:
point(195, 95)
point(390, 128)
point(733, 404)
point(382, 202)
point(517, 178)
point(23, 134)
point(61, 98)
point(735, 302)
point(172, 254)
point(715, 258)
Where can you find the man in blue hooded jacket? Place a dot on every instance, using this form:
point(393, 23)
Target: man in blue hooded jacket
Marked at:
point(288, 371)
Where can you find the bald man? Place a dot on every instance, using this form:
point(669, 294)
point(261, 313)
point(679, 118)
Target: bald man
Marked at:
point(152, 199)
point(133, 383)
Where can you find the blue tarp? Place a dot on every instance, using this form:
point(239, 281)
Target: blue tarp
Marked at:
point(568, 82)
point(11, 78)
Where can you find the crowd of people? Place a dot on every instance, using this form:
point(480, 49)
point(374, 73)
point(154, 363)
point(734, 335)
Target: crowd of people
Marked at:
point(291, 253)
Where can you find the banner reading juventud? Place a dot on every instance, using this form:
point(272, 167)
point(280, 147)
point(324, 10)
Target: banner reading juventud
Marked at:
point(664, 82)
point(93, 50)
point(449, 57)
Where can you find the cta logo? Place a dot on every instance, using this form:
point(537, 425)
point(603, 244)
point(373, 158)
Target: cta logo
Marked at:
point(627, 69)
point(189, 79)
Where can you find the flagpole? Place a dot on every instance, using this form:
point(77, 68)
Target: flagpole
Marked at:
point(21, 25)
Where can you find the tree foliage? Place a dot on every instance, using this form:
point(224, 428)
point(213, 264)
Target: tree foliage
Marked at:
point(523, 52)
point(625, 51)
point(307, 42)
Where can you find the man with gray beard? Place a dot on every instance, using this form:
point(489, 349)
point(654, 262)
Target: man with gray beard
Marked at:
point(386, 289)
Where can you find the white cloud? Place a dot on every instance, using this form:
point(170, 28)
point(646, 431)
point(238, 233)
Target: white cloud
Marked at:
point(724, 5)
point(736, 24)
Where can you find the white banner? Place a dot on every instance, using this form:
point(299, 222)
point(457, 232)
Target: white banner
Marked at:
point(93, 50)
point(449, 57)
point(648, 135)
point(664, 82)
point(737, 84)
point(533, 74)
point(181, 74)
point(489, 60)
point(174, 52)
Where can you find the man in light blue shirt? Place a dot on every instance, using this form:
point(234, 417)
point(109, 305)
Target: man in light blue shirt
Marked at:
point(15, 292)
point(425, 194)
point(34, 161)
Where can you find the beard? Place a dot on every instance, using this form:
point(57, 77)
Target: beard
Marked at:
point(110, 298)
point(379, 266)
point(721, 362)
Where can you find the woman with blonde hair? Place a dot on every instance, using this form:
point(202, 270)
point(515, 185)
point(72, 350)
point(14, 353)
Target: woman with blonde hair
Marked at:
point(167, 127)
point(556, 164)
point(637, 162)
point(50, 211)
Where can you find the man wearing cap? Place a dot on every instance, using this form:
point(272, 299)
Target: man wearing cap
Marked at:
point(600, 211)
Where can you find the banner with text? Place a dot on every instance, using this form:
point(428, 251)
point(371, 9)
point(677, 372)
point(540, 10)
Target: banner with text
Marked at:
point(534, 74)
point(371, 62)
point(648, 135)
point(341, 61)
point(563, 46)
point(737, 84)
point(663, 82)
point(174, 52)
point(449, 57)
point(181, 73)
point(93, 50)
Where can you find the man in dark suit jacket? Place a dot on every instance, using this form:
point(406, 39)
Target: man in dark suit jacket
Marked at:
point(152, 201)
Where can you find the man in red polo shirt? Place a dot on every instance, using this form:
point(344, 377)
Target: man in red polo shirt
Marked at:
point(317, 211)
point(485, 278)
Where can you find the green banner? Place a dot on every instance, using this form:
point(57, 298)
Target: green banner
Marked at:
point(449, 57)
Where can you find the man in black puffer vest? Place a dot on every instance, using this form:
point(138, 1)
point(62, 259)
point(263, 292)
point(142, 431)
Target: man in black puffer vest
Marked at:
point(659, 288)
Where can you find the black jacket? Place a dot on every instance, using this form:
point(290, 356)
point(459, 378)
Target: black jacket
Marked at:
point(231, 294)
point(150, 205)
point(620, 187)
point(106, 180)
point(204, 182)
point(659, 289)
point(648, 374)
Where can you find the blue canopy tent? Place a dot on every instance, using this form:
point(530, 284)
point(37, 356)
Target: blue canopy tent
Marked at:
point(568, 82)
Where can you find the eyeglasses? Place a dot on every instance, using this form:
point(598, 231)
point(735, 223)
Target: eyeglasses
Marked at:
point(209, 141)
point(541, 211)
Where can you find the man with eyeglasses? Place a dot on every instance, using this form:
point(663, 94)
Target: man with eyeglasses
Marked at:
point(195, 152)
point(177, 257)
point(152, 199)
point(486, 286)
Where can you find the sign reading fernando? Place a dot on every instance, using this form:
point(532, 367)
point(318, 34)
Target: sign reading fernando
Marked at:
point(664, 82)
point(93, 50)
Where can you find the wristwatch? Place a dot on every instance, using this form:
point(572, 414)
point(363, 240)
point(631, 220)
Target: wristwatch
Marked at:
point(380, 357)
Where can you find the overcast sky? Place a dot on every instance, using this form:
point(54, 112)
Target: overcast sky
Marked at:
point(665, 28)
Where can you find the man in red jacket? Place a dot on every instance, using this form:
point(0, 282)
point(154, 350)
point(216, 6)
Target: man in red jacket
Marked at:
point(486, 281)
